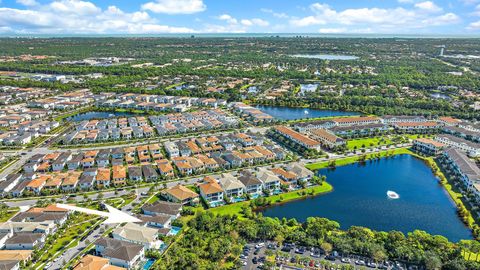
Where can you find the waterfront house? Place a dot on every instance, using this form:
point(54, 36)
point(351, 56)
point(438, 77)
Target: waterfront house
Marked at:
point(270, 181)
point(471, 148)
point(137, 234)
point(464, 170)
point(253, 185)
point(211, 191)
point(428, 146)
point(163, 207)
point(328, 139)
point(288, 177)
point(356, 120)
point(298, 138)
point(232, 187)
point(417, 127)
point(120, 253)
point(302, 173)
point(181, 194)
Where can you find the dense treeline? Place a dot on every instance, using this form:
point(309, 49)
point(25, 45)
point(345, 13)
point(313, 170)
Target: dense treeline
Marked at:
point(215, 242)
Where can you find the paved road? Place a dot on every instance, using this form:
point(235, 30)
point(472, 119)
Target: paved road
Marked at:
point(71, 253)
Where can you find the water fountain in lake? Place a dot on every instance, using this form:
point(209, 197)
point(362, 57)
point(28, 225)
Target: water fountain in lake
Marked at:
point(392, 195)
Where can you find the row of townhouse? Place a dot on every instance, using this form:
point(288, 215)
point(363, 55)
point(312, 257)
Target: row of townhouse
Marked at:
point(66, 101)
point(158, 102)
point(254, 184)
point(471, 148)
point(328, 139)
point(252, 114)
point(194, 101)
point(428, 146)
point(25, 132)
point(361, 126)
point(139, 127)
point(297, 137)
point(15, 114)
point(206, 145)
point(463, 132)
point(13, 94)
point(192, 121)
point(16, 185)
point(200, 163)
point(26, 232)
point(466, 170)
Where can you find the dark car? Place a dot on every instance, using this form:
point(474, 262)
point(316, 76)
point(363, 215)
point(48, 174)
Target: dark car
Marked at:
point(300, 250)
point(256, 251)
point(254, 260)
point(286, 249)
point(330, 258)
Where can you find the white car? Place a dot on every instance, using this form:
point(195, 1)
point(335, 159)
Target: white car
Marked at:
point(259, 245)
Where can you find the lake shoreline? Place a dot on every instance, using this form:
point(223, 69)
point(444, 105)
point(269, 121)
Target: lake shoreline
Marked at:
point(324, 165)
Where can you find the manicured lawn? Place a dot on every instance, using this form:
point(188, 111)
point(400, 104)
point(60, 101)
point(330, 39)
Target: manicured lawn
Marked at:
point(236, 208)
point(78, 225)
point(6, 215)
point(353, 159)
point(367, 142)
point(379, 141)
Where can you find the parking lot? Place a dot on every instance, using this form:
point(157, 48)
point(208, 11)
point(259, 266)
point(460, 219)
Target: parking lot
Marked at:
point(290, 256)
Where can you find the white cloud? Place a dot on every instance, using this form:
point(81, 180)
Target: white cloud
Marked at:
point(448, 18)
point(74, 7)
point(332, 30)
point(469, 2)
point(255, 21)
point(227, 18)
point(27, 3)
point(428, 6)
point(474, 26)
point(476, 12)
point(279, 15)
point(175, 6)
point(376, 19)
point(80, 17)
point(234, 25)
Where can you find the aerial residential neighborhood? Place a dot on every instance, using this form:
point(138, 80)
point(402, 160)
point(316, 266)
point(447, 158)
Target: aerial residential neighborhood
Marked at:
point(252, 135)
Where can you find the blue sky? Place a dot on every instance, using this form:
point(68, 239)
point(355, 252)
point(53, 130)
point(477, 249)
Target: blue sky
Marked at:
point(457, 17)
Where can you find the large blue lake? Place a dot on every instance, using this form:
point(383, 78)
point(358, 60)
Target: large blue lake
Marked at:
point(98, 115)
point(288, 113)
point(359, 198)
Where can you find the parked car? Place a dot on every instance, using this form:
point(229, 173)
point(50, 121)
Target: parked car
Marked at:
point(330, 257)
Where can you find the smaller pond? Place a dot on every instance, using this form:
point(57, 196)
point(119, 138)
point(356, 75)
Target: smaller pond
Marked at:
point(98, 115)
point(288, 113)
point(326, 56)
point(440, 96)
